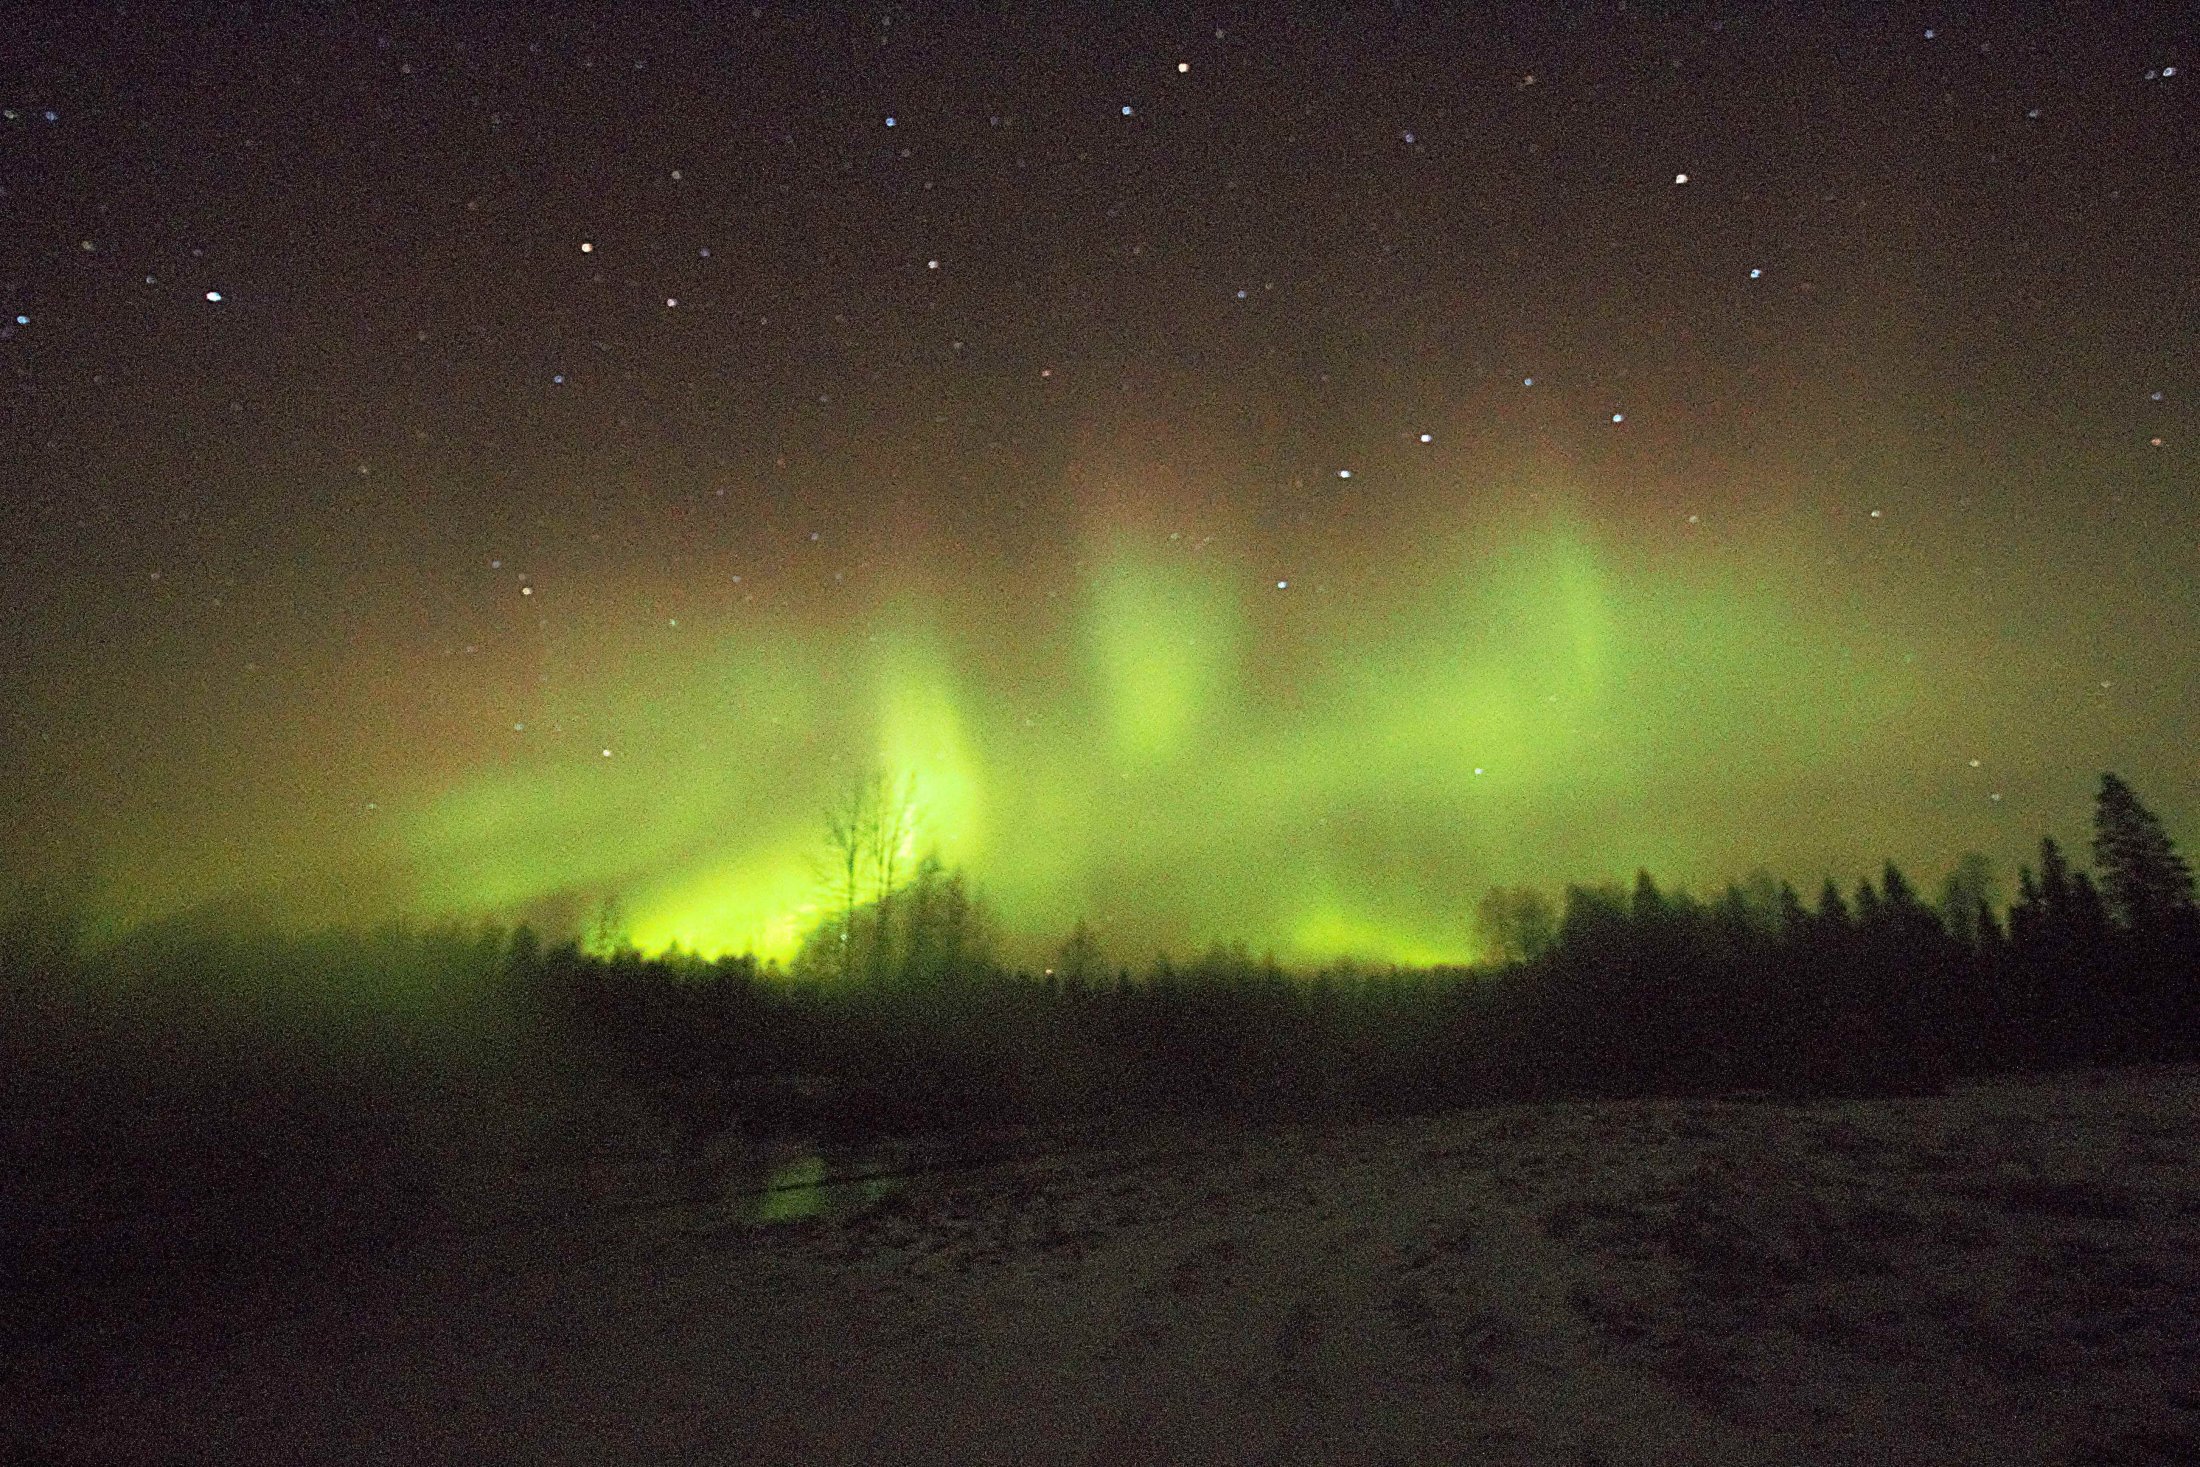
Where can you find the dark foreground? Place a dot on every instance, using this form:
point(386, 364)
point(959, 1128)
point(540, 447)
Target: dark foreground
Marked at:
point(2006, 1273)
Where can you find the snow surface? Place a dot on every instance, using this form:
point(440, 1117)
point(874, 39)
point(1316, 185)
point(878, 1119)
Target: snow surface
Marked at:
point(2004, 1274)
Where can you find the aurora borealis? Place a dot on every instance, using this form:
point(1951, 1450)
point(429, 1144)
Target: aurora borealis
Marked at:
point(1123, 753)
point(1267, 477)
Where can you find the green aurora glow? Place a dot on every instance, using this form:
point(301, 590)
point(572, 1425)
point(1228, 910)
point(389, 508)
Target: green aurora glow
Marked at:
point(1190, 451)
point(1219, 758)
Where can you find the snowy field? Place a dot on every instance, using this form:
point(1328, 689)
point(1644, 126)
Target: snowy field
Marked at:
point(2007, 1274)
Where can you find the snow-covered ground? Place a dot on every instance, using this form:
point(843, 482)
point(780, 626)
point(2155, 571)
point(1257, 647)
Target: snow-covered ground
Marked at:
point(2007, 1274)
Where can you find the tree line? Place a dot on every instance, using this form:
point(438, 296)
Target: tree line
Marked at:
point(174, 1094)
point(1874, 986)
point(913, 1019)
point(1612, 989)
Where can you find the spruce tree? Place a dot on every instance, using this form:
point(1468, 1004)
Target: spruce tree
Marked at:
point(1869, 913)
point(1794, 917)
point(2054, 882)
point(2147, 883)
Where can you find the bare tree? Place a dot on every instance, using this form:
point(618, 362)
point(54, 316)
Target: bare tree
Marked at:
point(893, 833)
point(1515, 924)
point(1080, 960)
point(607, 932)
point(845, 826)
point(869, 833)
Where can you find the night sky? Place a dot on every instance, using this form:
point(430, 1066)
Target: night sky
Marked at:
point(1265, 478)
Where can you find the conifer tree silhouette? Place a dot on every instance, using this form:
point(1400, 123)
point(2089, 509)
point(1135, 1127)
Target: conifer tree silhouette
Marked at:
point(2147, 884)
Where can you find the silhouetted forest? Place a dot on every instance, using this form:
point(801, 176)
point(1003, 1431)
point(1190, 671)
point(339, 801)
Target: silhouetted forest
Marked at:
point(197, 1093)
